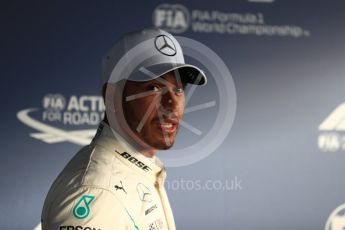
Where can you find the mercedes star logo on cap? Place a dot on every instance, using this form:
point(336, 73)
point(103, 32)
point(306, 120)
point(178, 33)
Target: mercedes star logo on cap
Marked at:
point(165, 45)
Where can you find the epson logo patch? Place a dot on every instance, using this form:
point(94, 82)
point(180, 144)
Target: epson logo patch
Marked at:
point(70, 227)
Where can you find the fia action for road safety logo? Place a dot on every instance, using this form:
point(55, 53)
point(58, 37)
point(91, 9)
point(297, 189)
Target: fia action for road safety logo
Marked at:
point(82, 209)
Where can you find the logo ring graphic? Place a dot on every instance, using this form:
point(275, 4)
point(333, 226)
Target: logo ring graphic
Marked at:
point(226, 105)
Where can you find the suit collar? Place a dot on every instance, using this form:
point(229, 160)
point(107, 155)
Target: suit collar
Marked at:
point(109, 139)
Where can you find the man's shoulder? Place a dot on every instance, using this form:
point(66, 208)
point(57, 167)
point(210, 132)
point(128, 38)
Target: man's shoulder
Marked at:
point(99, 166)
point(100, 169)
point(97, 173)
point(92, 167)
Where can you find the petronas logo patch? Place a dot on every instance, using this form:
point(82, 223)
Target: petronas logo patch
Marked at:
point(82, 209)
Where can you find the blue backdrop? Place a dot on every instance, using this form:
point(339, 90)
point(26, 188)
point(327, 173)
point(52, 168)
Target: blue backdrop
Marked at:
point(281, 166)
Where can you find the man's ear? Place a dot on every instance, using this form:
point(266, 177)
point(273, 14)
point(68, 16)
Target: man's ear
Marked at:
point(113, 91)
point(184, 85)
point(104, 89)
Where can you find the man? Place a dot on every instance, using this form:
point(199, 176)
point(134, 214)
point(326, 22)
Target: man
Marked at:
point(117, 182)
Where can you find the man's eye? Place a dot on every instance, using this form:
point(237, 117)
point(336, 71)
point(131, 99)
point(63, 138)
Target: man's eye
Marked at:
point(155, 88)
point(179, 90)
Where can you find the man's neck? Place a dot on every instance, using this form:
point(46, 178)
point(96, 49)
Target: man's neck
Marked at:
point(149, 152)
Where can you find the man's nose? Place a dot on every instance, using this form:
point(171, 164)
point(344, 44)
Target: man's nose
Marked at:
point(170, 100)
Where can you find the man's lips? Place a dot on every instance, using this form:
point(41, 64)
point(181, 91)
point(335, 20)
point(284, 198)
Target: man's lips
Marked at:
point(167, 125)
point(173, 121)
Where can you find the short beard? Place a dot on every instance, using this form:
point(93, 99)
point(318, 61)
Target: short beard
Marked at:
point(159, 145)
point(163, 146)
point(153, 144)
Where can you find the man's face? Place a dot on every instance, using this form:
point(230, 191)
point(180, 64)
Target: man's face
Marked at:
point(154, 109)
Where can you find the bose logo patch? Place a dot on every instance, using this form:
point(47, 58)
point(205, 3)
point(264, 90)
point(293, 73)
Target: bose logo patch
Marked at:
point(134, 161)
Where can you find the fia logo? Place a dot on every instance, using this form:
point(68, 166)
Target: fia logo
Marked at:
point(54, 102)
point(174, 18)
point(332, 136)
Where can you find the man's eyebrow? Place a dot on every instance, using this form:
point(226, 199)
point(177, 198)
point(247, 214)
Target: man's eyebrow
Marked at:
point(155, 81)
point(153, 76)
point(139, 95)
point(152, 82)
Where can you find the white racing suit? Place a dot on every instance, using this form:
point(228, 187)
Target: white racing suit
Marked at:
point(108, 186)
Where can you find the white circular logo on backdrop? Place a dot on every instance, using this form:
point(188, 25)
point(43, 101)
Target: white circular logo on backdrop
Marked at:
point(336, 221)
